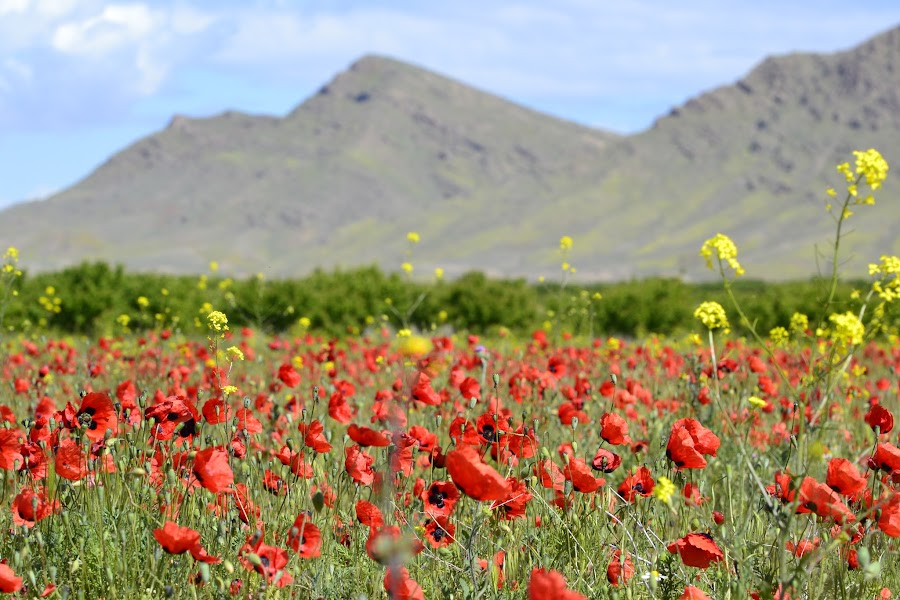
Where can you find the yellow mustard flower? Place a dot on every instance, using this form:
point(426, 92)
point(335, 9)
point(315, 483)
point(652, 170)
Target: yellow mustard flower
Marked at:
point(664, 489)
point(712, 315)
point(217, 321)
point(724, 250)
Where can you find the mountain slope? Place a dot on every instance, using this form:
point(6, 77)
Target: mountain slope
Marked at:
point(386, 148)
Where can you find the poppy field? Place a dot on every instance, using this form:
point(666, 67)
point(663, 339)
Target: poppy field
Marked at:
point(397, 464)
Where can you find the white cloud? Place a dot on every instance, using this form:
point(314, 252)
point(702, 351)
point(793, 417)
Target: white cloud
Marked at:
point(13, 6)
point(116, 26)
point(53, 9)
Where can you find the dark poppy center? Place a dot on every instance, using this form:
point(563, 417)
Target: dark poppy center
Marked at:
point(438, 534)
point(189, 429)
point(488, 433)
point(436, 497)
point(639, 488)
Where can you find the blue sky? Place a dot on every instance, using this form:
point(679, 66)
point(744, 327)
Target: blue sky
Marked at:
point(81, 79)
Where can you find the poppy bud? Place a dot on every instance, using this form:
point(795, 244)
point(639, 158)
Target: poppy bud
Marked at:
point(318, 501)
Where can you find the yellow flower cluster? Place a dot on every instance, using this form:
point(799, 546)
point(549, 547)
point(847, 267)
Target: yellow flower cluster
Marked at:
point(847, 329)
point(799, 323)
point(725, 251)
point(756, 401)
point(565, 243)
point(11, 259)
point(664, 489)
point(407, 267)
point(712, 315)
point(412, 237)
point(779, 336)
point(887, 284)
point(217, 321)
point(234, 353)
point(50, 301)
point(872, 166)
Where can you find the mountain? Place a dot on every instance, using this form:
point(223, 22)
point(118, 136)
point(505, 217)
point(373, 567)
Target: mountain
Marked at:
point(387, 147)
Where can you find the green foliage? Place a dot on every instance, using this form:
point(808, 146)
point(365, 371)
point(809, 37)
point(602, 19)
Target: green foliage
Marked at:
point(94, 295)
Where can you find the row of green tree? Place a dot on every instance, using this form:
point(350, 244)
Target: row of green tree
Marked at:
point(95, 298)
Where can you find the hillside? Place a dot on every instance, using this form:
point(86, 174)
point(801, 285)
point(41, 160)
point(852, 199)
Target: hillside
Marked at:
point(387, 147)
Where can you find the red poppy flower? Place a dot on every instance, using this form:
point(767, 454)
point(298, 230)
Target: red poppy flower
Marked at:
point(517, 497)
point(71, 462)
point(889, 518)
point(399, 586)
point(248, 422)
point(424, 393)
point(304, 537)
point(289, 375)
point(359, 465)
point(802, 547)
point(556, 366)
point(473, 476)
point(11, 449)
point(464, 432)
point(489, 425)
point(782, 488)
point(313, 436)
point(681, 451)
point(577, 471)
point(818, 498)
point(523, 442)
point(619, 570)
point(426, 439)
point(614, 429)
point(400, 456)
point(569, 411)
point(886, 458)
point(697, 550)
point(175, 539)
point(216, 411)
point(545, 585)
point(686, 451)
point(97, 414)
point(273, 483)
point(844, 478)
point(368, 514)
point(29, 507)
point(439, 532)
point(269, 562)
point(440, 498)
point(339, 409)
point(212, 470)
point(637, 484)
point(880, 419)
point(693, 593)
point(549, 474)
point(9, 583)
point(365, 436)
point(470, 388)
point(170, 413)
point(295, 460)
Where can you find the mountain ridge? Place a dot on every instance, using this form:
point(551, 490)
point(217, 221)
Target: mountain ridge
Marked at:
point(386, 147)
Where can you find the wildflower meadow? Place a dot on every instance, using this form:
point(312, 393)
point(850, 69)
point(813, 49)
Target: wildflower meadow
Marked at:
point(215, 460)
